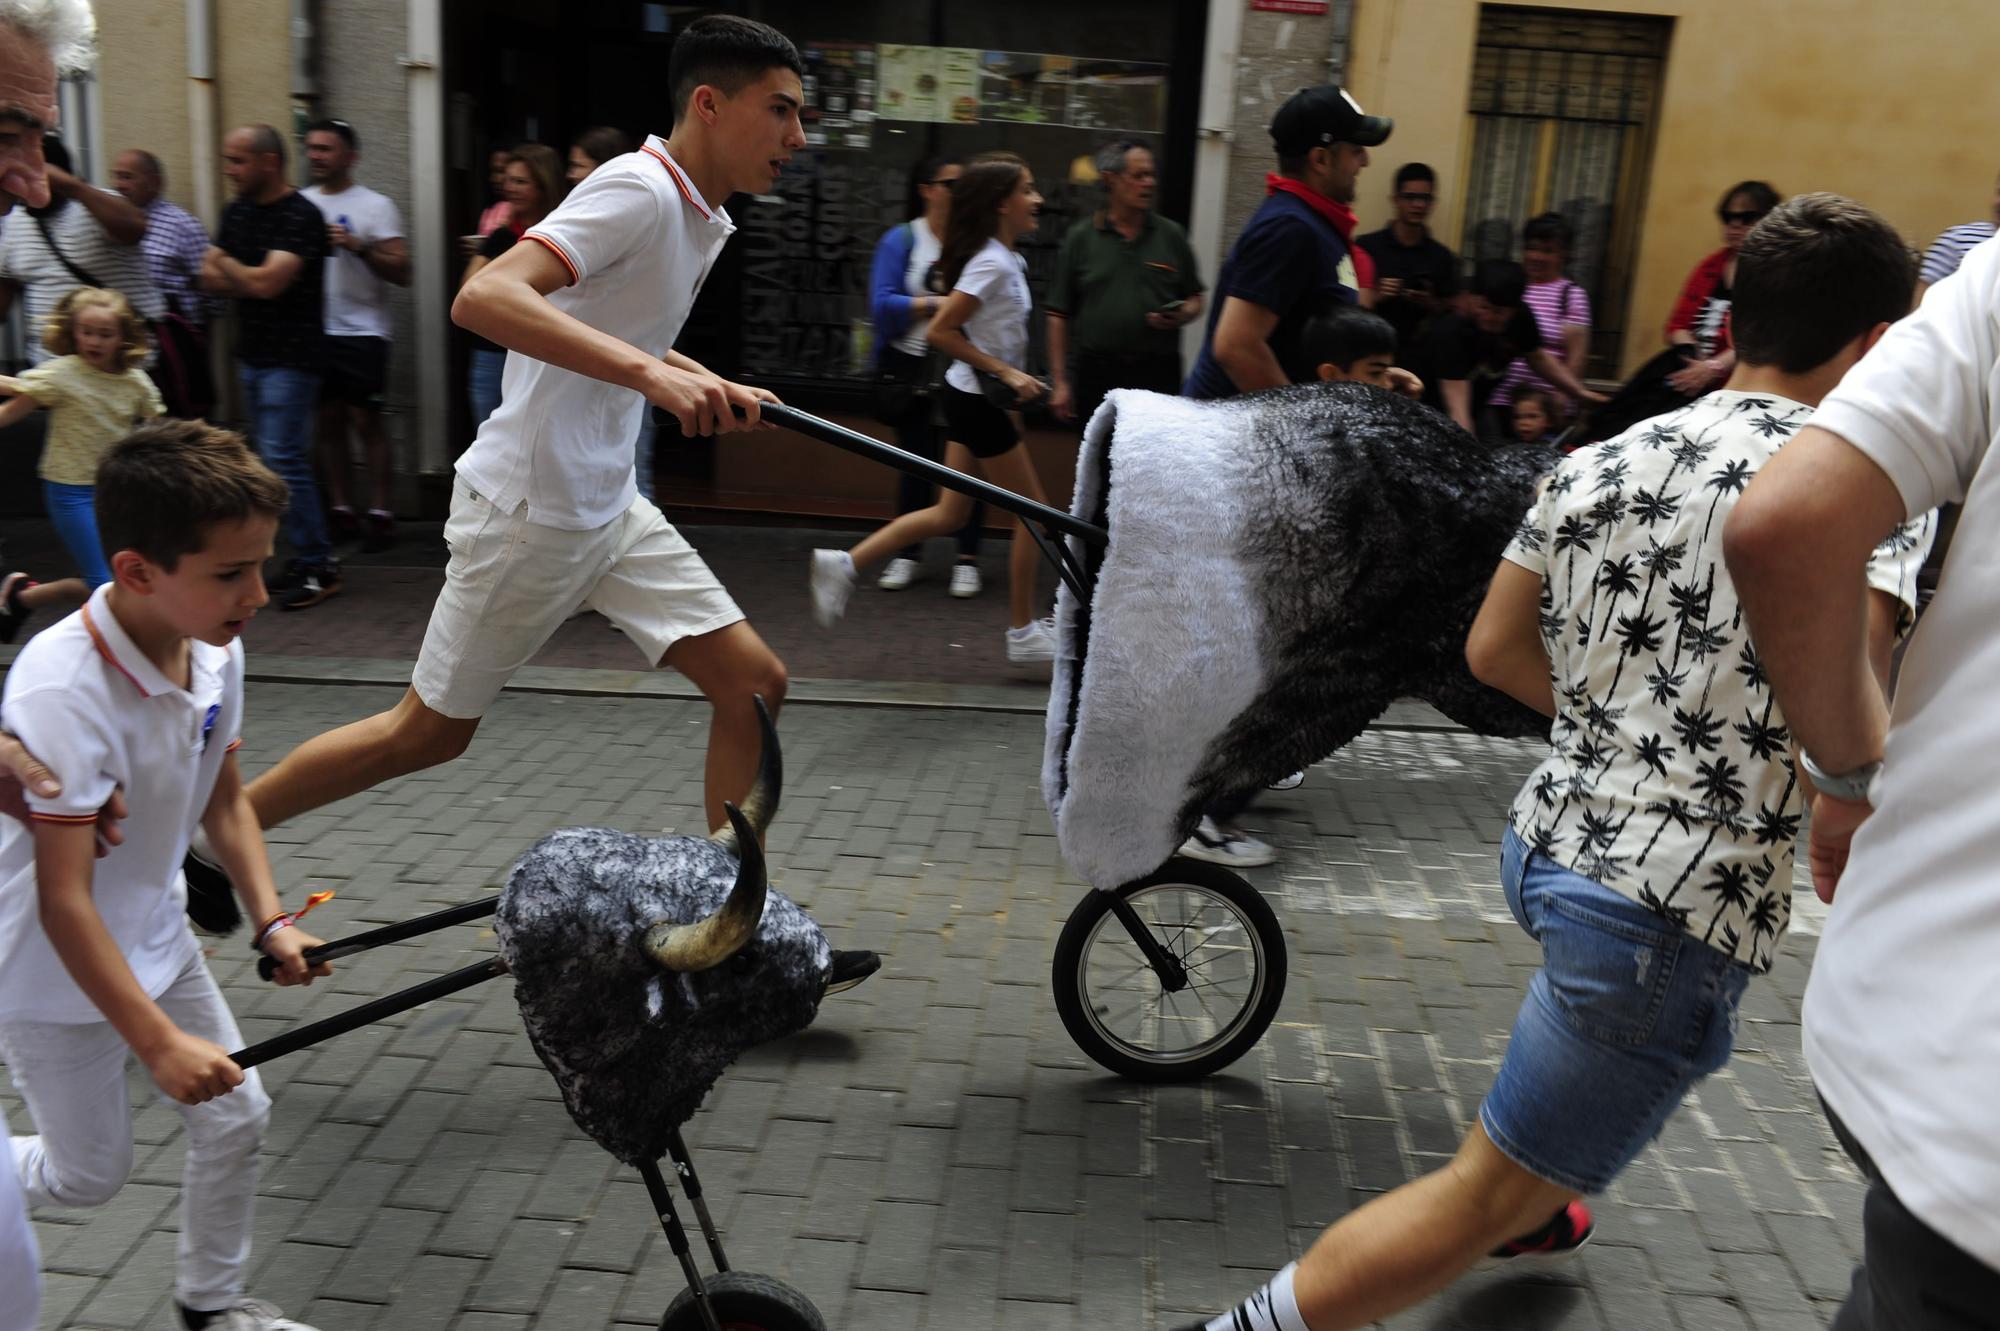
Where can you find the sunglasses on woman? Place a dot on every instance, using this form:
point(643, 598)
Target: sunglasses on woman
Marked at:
point(1749, 218)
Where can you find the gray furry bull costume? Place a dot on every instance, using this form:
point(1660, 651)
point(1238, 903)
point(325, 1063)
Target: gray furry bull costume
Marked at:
point(1281, 567)
point(645, 965)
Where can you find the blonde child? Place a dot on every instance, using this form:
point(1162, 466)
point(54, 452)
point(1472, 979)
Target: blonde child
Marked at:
point(94, 392)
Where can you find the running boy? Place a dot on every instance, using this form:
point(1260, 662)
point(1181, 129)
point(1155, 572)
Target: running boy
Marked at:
point(1651, 852)
point(143, 689)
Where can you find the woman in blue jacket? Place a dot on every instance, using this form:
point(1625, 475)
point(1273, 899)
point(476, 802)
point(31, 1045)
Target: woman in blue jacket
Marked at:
point(902, 303)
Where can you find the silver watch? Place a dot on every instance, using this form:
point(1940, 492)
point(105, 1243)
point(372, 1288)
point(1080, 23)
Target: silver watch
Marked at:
point(1857, 785)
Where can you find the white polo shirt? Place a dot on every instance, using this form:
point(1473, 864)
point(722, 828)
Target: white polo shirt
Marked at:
point(638, 241)
point(88, 704)
point(1902, 1014)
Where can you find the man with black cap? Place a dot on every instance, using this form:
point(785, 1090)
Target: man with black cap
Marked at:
point(1296, 257)
point(1295, 260)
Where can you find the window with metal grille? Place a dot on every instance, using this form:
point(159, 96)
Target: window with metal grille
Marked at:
point(1564, 106)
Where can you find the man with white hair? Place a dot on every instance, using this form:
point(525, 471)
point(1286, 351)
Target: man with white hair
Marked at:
point(38, 40)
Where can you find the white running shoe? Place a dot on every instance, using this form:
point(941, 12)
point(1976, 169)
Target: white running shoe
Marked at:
point(1292, 782)
point(1032, 642)
point(832, 582)
point(965, 581)
point(1219, 845)
point(255, 1315)
point(900, 574)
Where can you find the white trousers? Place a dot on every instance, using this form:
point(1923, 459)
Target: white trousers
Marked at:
point(73, 1078)
point(20, 1278)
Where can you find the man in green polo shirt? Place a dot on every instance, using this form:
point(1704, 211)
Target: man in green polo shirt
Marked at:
point(1125, 283)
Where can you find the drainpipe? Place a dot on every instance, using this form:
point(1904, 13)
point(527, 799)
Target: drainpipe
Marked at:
point(305, 87)
point(1213, 140)
point(204, 135)
point(1342, 14)
point(431, 247)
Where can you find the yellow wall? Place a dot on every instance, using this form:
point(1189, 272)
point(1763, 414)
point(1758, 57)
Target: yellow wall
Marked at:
point(142, 73)
point(1891, 104)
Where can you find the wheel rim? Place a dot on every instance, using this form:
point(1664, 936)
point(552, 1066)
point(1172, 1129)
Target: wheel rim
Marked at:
point(1127, 1005)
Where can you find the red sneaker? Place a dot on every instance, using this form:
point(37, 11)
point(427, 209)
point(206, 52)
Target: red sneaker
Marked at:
point(1568, 1230)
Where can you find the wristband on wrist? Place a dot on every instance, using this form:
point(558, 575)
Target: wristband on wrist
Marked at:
point(279, 921)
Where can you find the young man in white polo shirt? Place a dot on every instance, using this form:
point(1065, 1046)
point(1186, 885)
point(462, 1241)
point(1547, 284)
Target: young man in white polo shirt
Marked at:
point(546, 518)
point(1902, 1016)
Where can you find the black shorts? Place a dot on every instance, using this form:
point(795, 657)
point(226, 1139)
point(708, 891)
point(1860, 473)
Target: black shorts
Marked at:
point(357, 370)
point(971, 420)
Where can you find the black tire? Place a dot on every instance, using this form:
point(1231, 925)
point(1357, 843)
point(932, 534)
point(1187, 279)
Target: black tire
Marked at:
point(1092, 927)
point(745, 1301)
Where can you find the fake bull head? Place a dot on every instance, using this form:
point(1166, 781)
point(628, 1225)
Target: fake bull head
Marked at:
point(644, 965)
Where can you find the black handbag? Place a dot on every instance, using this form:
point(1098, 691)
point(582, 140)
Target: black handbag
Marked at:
point(902, 381)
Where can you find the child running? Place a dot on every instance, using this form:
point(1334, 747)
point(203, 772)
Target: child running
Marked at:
point(94, 392)
point(142, 689)
point(983, 327)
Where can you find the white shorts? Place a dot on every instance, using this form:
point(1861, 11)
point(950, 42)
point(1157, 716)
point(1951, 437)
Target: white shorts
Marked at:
point(511, 584)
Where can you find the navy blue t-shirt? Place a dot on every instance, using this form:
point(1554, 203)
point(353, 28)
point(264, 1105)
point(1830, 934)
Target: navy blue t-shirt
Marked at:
point(1291, 261)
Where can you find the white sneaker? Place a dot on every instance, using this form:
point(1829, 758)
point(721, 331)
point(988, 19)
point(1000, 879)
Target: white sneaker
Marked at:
point(1032, 642)
point(1219, 845)
point(255, 1315)
point(832, 582)
point(965, 581)
point(900, 574)
point(1292, 782)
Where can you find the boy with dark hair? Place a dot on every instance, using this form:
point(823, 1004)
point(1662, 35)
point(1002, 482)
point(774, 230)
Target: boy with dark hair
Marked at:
point(1651, 852)
point(1465, 356)
point(142, 691)
point(546, 518)
point(1415, 275)
point(1351, 346)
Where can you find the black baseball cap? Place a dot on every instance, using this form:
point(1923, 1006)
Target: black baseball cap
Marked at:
point(1315, 117)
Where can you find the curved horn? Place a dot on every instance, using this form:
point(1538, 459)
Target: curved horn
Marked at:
point(709, 942)
point(762, 801)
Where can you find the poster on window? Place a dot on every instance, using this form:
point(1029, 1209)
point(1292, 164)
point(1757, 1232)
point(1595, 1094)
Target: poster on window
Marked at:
point(840, 94)
point(1031, 89)
point(1122, 95)
point(937, 84)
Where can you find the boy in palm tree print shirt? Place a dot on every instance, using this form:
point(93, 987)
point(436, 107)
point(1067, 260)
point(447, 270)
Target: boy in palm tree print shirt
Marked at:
point(1670, 777)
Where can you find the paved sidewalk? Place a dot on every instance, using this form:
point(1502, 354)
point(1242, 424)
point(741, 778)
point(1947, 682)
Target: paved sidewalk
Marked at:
point(934, 1153)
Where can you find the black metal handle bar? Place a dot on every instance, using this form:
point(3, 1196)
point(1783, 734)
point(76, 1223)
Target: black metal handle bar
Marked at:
point(936, 472)
point(368, 1013)
point(388, 933)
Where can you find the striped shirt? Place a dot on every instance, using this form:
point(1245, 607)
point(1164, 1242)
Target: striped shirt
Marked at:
point(174, 245)
point(27, 260)
point(1559, 306)
point(1949, 250)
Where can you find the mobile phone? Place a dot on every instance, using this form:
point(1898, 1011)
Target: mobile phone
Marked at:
point(1171, 307)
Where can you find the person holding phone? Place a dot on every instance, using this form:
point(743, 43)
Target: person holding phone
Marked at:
point(1416, 276)
point(1125, 283)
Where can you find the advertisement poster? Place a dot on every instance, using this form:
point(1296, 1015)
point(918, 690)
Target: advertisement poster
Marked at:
point(1123, 95)
point(840, 92)
point(938, 84)
point(1033, 89)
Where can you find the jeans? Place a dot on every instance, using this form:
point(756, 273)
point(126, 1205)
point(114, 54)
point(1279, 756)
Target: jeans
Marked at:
point(1625, 1016)
point(484, 384)
point(283, 404)
point(918, 433)
point(73, 508)
point(73, 1077)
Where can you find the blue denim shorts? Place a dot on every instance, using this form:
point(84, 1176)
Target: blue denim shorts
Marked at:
point(1626, 1014)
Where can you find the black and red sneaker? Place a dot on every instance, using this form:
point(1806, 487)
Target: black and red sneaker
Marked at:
point(1568, 1230)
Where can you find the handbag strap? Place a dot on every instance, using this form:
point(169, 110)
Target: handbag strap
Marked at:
point(82, 275)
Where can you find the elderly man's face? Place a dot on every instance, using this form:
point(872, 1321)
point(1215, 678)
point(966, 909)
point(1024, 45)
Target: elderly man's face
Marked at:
point(27, 107)
point(130, 177)
point(1134, 185)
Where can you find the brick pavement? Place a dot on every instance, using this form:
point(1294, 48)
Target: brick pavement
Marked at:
point(934, 1153)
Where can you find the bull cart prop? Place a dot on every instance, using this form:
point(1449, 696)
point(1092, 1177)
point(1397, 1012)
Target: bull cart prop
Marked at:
point(642, 967)
point(1170, 968)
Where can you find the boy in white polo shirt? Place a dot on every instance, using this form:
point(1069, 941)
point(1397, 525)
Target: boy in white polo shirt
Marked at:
point(545, 517)
point(142, 690)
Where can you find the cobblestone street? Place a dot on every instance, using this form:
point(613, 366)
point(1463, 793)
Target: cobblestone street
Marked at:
point(934, 1152)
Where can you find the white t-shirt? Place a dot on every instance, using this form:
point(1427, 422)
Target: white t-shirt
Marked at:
point(923, 253)
point(102, 716)
point(638, 241)
point(997, 278)
point(25, 258)
point(1902, 1015)
point(357, 301)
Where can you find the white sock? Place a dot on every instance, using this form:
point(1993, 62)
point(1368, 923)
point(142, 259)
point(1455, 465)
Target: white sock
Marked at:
point(1272, 1308)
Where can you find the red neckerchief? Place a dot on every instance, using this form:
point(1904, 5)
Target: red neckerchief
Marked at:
point(1338, 215)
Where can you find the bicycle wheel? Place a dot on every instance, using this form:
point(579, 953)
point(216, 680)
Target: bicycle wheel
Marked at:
point(745, 1301)
point(1119, 1010)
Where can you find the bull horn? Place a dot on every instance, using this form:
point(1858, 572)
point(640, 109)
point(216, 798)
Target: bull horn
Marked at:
point(762, 801)
point(709, 942)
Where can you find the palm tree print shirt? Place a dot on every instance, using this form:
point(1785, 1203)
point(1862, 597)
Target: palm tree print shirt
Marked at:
point(1670, 777)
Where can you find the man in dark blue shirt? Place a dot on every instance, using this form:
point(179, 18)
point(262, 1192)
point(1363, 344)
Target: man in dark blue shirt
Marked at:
point(1294, 260)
